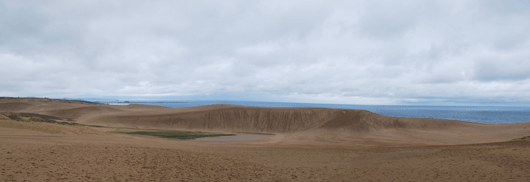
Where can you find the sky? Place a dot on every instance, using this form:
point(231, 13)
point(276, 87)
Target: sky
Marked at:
point(342, 52)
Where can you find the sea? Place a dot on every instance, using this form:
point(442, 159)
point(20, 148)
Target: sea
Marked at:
point(478, 114)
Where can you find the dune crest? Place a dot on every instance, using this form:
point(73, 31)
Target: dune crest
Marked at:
point(279, 120)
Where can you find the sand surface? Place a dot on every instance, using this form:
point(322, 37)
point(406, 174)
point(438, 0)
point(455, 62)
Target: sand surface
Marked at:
point(237, 137)
point(307, 144)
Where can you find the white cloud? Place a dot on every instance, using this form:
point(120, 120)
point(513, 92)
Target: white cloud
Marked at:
point(356, 52)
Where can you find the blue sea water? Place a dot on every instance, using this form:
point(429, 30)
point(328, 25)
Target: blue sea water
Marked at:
point(478, 114)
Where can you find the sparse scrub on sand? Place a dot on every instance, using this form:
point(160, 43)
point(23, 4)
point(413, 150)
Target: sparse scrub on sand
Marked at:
point(525, 138)
point(173, 134)
point(28, 126)
point(40, 117)
point(43, 123)
point(13, 117)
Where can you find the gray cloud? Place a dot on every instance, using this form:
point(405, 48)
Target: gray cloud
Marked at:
point(361, 52)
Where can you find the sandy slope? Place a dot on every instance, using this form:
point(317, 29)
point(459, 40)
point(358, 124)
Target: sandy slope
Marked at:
point(294, 125)
point(33, 156)
point(309, 145)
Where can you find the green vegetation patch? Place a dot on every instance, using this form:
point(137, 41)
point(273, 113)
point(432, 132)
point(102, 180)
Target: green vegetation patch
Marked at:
point(13, 117)
point(28, 126)
point(43, 118)
point(173, 134)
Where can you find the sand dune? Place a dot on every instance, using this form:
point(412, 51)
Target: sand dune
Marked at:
point(295, 125)
point(14, 106)
point(282, 120)
point(79, 113)
point(310, 144)
point(36, 156)
point(318, 125)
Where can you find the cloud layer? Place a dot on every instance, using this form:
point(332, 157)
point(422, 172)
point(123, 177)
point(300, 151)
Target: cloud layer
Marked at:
point(362, 52)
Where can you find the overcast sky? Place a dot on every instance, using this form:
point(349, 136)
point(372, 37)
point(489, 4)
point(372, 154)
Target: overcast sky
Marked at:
point(350, 52)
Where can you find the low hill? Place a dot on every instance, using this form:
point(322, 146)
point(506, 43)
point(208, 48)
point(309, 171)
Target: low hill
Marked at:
point(273, 120)
point(292, 125)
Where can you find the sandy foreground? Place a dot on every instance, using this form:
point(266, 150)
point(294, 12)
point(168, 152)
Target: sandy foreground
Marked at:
point(307, 144)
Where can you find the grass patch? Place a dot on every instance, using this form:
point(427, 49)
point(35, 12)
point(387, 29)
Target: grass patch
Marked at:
point(173, 134)
point(77, 124)
point(32, 117)
point(13, 117)
point(71, 124)
point(43, 118)
point(27, 126)
point(95, 126)
point(525, 138)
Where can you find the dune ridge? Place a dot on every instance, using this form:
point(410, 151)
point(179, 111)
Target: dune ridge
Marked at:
point(281, 120)
point(228, 117)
